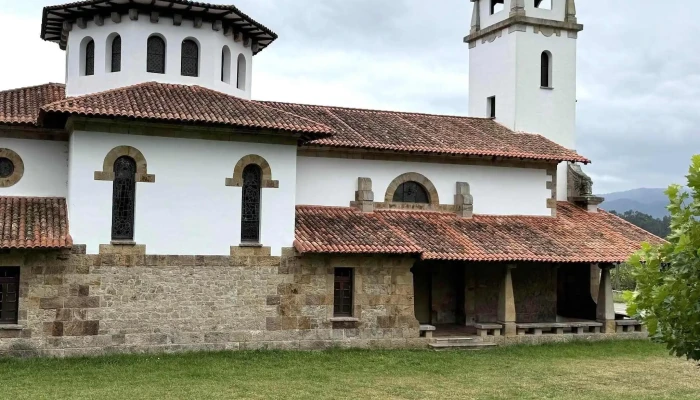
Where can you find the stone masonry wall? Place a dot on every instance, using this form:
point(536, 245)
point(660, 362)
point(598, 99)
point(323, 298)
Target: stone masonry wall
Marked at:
point(77, 304)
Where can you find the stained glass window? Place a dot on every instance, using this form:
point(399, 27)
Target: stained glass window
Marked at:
point(90, 58)
point(9, 295)
point(190, 58)
point(123, 199)
point(7, 168)
point(342, 292)
point(411, 192)
point(117, 54)
point(250, 218)
point(155, 61)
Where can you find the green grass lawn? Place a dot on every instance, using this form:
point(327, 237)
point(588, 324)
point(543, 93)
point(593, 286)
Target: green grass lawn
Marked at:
point(607, 370)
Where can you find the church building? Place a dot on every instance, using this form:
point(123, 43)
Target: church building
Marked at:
point(148, 204)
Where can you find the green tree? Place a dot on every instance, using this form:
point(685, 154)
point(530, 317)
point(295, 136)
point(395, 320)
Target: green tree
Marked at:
point(667, 298)
point(658, 226)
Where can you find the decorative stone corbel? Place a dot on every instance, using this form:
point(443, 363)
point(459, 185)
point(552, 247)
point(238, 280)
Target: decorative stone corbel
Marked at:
point(580, 189)
point(571, 11)
point(217, 25)
point(81, 22)
point(98, 20)
point(517, 7)
point(476, 17)
point(364, 196)
point(133, 14)
point(464, 202)
point(155, 17)
point(116, 17)
point(177, 19)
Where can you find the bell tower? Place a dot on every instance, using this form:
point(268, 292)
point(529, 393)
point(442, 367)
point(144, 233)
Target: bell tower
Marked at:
point(522, 68)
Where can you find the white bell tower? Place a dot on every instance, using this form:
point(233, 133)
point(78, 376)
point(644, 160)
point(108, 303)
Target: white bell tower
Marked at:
point(522, 68)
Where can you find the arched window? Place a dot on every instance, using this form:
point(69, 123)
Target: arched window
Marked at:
point(411, 192)
point(90, 58)
point(189, 58)
point(116, 54)
point(123, 198)
point(155, 61)
point(250, 209)
point(240, 80)
point(546, 72)
point(226, 65)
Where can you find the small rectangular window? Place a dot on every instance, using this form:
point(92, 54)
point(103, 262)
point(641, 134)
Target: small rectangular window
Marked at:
point(9, 295)
point(497, 6)
point(342, 292)
point(491, 107)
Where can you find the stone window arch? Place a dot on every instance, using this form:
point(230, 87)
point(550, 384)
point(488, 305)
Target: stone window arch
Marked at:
point(155, 54)
point(89, 58)
point(11, 168)
point(189, 58)
point(107, 173)
point(266, 178)
point(412, 181)
point(124, 199)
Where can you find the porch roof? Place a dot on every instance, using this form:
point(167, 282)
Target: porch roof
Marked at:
point(34, 223)
point(575, 235)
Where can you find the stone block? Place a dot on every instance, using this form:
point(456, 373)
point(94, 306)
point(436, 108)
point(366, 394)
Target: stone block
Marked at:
point(247, 251)
point(82, 302)
point(273, 324)
point(53, 328)
point(273, 300)
point(81, 328)
point(48, 303)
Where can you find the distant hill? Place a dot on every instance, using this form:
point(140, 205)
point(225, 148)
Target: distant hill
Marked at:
point(647, 201)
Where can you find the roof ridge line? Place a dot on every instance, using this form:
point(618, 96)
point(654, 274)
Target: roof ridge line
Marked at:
point(63, 85)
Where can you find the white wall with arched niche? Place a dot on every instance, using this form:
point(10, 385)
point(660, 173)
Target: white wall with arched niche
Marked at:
point(45, 168)
point(496, 190)
point(189, 209)
point(134, 37)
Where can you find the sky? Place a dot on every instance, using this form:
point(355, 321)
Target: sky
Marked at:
point(638, 110)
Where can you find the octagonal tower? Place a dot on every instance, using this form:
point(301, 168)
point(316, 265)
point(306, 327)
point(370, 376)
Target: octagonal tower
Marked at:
point(116, 43)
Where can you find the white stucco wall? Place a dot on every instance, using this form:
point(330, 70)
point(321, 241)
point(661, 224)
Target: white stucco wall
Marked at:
point(134, 36)
point(188, 210)
point(496, 190)
point(509, 68)
point(45, 168)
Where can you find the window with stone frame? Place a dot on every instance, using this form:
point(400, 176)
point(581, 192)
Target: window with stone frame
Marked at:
point(411, 192)
point(9, 295)
point(343, 292)
point(123, 199)
point(250, 207)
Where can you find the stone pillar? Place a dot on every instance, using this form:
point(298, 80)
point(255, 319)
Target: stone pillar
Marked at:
point(476, 17)
point(464, 202)
point(364, 196)
point(571, 11)
point(506, 303)
point(517, 7)
point(605, 311)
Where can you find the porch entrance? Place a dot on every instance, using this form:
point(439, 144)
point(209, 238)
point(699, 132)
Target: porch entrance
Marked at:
point(439, 295)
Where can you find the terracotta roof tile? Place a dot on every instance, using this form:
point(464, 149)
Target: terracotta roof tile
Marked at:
point(182, 103)
point(21, 106)
point(34, 223)
point(573, 236)
point(440, 134)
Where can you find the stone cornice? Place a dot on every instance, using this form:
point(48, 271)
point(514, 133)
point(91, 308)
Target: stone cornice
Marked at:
point(522, 20)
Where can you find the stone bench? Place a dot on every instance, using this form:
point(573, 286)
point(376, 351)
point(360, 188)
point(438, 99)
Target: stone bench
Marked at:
point(558, 328)
point(629, 326)
point(426, 331)
point(484, 330)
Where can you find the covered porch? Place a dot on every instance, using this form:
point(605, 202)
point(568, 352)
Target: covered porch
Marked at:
point(490, 301)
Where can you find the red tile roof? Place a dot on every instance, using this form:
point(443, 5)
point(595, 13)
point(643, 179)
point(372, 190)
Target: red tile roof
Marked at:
point(34, 223)
point(21, 106)
point(55, 16)
point(440, 134)
point(323, 126)
point(182, 103)
point(573, 236)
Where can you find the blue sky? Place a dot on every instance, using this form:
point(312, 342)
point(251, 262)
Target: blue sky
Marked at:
point(638, 84)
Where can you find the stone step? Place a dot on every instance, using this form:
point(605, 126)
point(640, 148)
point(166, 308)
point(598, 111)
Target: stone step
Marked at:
point(461, 339)
point(461, 346)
